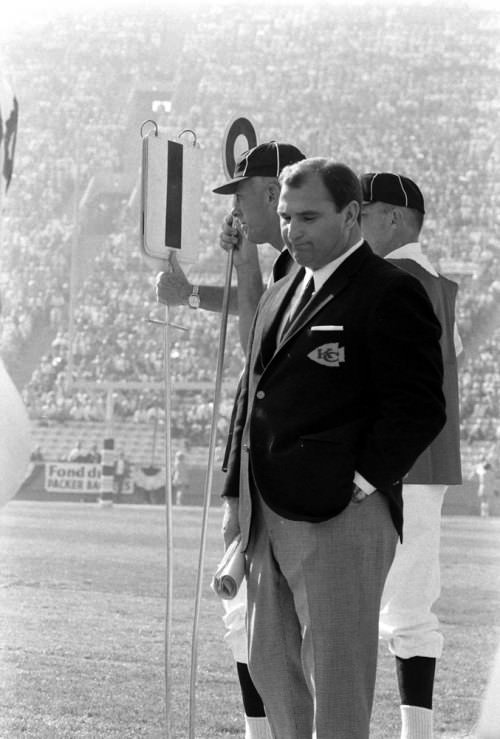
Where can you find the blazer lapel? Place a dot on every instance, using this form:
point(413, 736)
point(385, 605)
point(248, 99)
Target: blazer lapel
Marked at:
point(273, 314)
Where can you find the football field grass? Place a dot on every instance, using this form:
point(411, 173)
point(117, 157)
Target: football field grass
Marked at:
point(82, 626)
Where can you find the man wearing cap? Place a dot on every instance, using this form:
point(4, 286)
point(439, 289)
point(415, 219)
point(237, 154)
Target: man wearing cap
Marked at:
point(341, 393)
point(392, 218)
point(253, 220)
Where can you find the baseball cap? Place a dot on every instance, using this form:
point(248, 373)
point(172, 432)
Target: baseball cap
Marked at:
point(264, 160)
point(396, 189)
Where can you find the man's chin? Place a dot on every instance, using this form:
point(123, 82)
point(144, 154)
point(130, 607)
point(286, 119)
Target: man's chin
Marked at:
point(301, 258)
point(253, 236)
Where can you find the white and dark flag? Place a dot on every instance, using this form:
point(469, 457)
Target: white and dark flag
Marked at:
point(171, 198)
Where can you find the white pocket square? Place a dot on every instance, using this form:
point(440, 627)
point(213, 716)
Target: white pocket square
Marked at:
point(327, 328)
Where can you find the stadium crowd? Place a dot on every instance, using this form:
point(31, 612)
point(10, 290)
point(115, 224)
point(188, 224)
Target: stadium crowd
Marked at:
point(411, 89)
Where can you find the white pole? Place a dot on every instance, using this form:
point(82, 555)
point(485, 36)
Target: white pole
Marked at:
point(169, 529)
point(207, 492)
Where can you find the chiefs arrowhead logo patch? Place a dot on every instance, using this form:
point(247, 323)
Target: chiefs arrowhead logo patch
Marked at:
point(330, 355)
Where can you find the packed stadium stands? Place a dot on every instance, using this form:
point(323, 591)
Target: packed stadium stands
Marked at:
point(410, 88)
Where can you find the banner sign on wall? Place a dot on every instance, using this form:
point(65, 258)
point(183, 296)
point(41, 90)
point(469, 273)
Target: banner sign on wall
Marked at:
point(76, 477)
point(72, 477)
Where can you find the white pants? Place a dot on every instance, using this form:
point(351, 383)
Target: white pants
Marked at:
point(412, 587)
point(413, 584)
point(235, 622)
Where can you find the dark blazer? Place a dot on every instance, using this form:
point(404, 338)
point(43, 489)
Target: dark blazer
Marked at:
point(354, 385)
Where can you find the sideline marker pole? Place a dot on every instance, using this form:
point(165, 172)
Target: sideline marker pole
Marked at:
point(107, 468)
point(207, 491)
point(169, 528)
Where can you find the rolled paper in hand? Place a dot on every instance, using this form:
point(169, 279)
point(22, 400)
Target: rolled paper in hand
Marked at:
point(230, 572)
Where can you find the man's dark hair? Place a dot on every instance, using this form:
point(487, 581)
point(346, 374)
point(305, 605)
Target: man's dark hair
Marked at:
point(340, 181)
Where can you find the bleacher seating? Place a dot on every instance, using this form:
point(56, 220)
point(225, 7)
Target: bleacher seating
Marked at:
point(139, 442)
point(142, 445)
point(405, 88)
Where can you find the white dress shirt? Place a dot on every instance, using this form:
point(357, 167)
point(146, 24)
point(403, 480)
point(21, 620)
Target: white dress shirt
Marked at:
point(319, 276)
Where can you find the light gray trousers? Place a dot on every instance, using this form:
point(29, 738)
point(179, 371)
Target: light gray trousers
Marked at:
point(314, 594)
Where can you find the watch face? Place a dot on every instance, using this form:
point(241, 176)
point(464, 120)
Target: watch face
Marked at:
point(194, 301)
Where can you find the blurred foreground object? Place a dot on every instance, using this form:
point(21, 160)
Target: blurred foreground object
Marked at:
point(489, 722)
point(15, 438)
point(9, 110)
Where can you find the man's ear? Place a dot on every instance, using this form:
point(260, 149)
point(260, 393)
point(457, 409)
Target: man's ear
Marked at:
point(397, 216)
point(273, 194)
point(351, 214)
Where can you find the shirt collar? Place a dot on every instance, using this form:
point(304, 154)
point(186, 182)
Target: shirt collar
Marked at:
point(414, 252)
point(321, 275)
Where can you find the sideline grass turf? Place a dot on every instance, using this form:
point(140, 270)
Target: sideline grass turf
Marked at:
point(82, 626)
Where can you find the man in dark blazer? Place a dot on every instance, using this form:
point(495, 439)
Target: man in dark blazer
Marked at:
point(339, 397)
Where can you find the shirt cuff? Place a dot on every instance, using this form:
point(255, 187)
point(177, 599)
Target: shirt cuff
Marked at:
point(365, 486)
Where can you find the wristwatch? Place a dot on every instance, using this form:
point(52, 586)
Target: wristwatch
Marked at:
point(194, 298)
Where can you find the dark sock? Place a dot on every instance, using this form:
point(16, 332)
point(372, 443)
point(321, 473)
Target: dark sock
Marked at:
point(416, 680)
point(252, 701)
